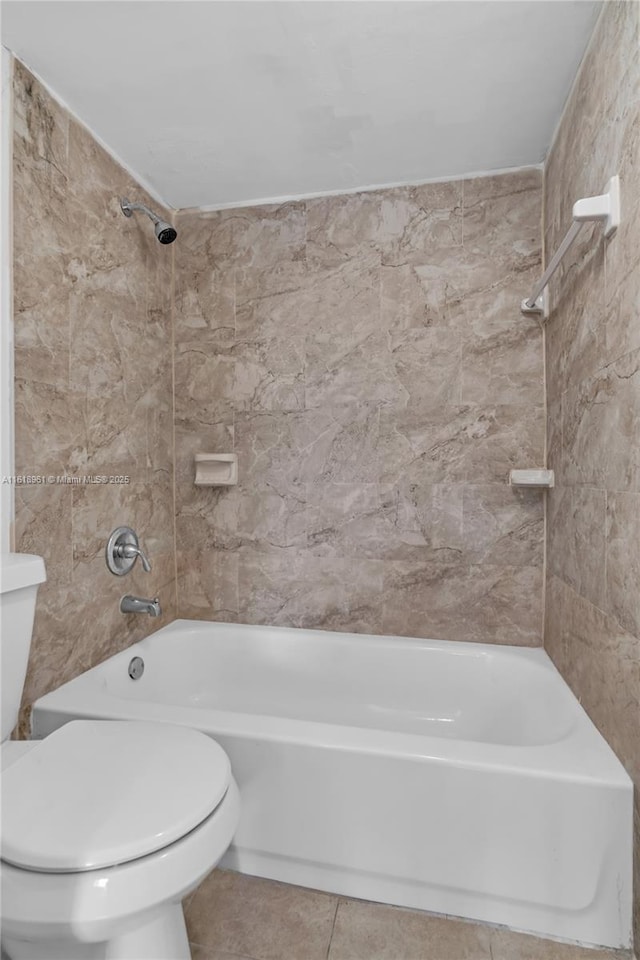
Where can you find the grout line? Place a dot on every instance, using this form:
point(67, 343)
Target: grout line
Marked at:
point(348, 191)
point(462, 212)
point(333, 927)
point(172, 310)
point(545, 405)
point(605, 613)
point(545, 498)
point(605, 591)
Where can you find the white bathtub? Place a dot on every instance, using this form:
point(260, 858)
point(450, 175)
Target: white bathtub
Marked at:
point(459, 778)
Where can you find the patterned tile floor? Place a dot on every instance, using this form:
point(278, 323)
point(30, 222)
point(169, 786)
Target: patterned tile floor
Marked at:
point(236, 917)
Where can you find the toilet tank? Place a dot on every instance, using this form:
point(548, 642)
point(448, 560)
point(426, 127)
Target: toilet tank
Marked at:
point(20, 574)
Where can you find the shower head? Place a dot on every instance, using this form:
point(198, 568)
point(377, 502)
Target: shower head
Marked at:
point(163, 230)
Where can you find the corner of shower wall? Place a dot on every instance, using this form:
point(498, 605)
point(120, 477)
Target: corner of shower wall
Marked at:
point(592, 629)
point(93, 387)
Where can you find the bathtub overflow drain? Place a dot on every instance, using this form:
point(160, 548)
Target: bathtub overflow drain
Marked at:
point(136, 668)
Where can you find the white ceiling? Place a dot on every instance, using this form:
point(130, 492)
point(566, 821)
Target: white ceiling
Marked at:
point(218, 103)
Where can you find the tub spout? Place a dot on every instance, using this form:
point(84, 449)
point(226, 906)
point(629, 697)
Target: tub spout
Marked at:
point(131, 604)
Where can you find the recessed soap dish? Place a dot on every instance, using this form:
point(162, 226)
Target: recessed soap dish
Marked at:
point(216, 469)
point(531, 478)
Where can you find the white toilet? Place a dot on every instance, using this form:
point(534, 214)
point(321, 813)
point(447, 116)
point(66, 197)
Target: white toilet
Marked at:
point(106, 825)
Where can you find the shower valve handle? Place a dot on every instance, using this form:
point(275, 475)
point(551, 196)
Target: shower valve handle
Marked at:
point(123, 549)
point(129, 552)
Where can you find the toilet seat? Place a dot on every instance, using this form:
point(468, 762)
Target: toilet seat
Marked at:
point(98, 793)
point(97, 905)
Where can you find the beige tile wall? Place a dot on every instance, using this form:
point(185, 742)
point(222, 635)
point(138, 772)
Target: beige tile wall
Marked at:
point(92, 313)
point(593, 382)
point(366, 359)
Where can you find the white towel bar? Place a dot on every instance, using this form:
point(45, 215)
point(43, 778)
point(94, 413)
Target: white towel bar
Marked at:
point(605, 208)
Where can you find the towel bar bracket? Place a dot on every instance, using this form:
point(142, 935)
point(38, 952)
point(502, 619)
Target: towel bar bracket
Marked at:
point(605, 207)
point(539, 309)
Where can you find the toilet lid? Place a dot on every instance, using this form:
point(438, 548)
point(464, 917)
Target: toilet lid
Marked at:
point(100, 792)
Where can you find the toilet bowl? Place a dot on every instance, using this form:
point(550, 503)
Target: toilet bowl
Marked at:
point(106, 825)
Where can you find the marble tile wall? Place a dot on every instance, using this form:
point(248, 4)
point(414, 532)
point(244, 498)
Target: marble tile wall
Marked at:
point(92, 316)
point(366, 359)
point(593, 383)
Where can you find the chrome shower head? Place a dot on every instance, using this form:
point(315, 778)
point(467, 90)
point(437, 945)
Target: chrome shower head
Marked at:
point(163, 230)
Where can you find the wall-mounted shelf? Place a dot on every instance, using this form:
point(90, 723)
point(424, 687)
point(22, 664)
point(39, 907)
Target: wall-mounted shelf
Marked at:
point(216, 469)
point(532, 478)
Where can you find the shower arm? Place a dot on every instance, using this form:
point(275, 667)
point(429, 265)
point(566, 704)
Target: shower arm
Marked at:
point(128, 208)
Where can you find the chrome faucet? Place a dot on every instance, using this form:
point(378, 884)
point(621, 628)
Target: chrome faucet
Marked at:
point(131, 604)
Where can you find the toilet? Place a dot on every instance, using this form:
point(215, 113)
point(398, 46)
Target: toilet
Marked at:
point(106, 825)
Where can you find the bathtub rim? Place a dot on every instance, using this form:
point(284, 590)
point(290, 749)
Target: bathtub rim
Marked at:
point(582, 755)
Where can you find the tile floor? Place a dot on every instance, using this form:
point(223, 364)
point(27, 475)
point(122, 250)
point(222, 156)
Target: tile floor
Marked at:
point(235, 917)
